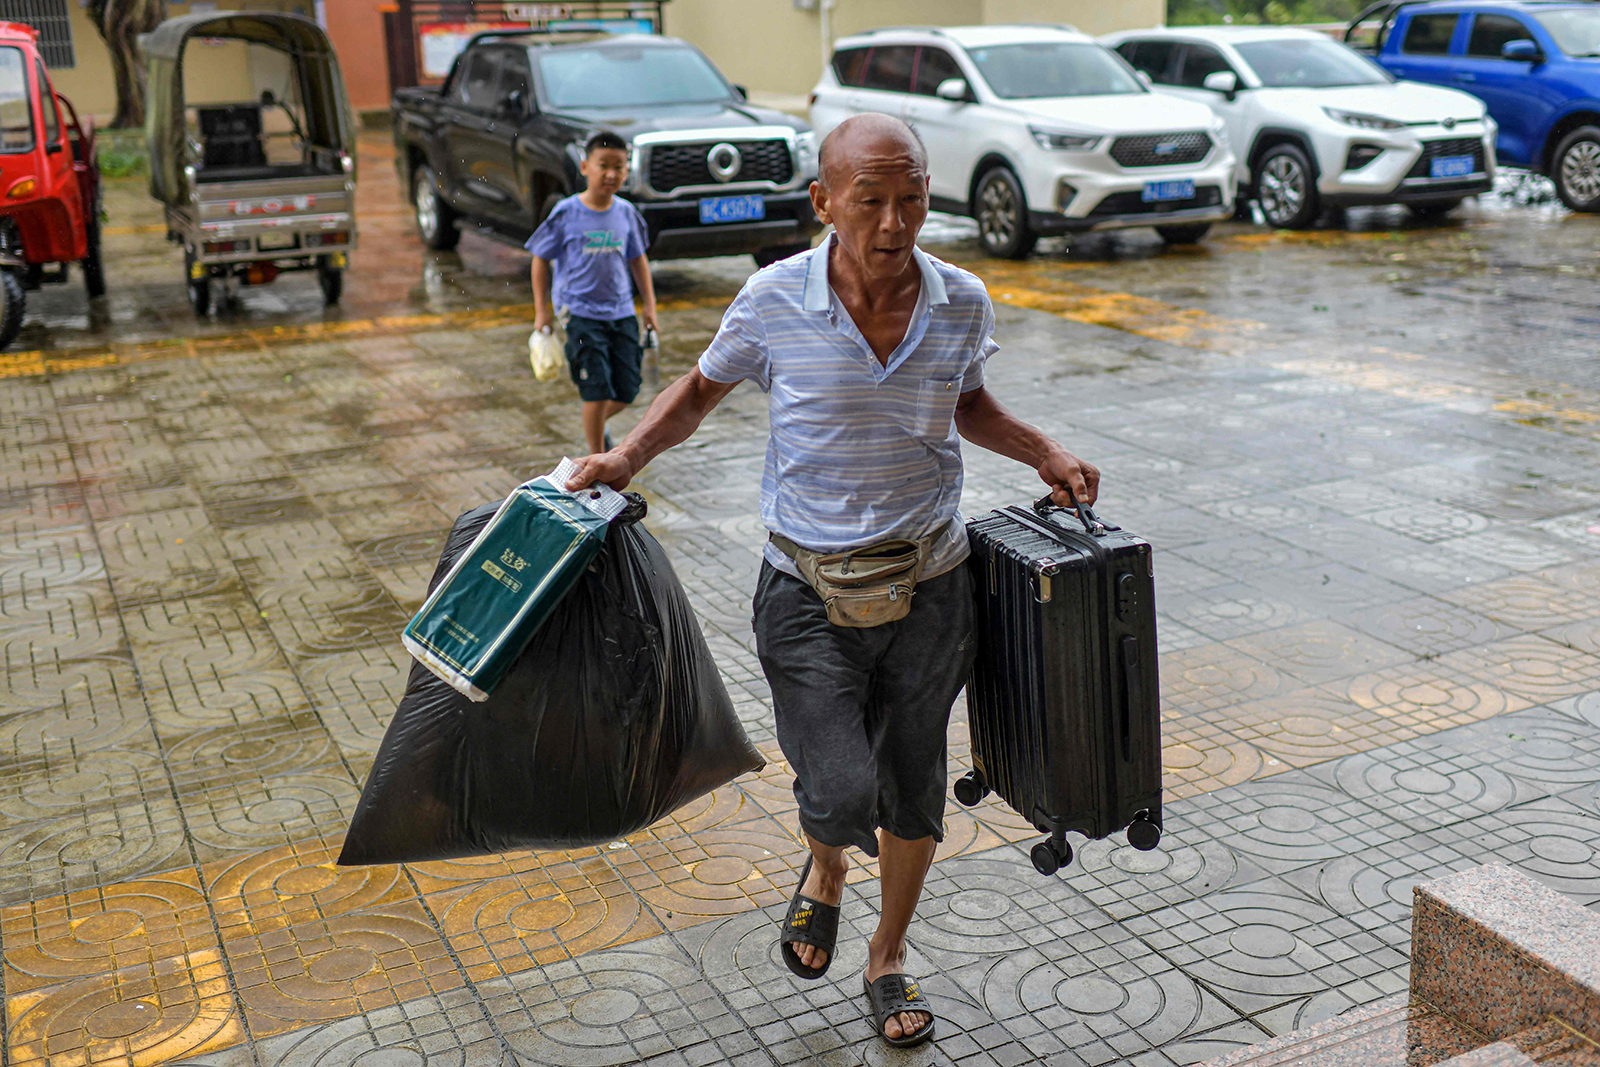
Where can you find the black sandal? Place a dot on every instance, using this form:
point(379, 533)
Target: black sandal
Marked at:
point(892, 994)
point(809, 922)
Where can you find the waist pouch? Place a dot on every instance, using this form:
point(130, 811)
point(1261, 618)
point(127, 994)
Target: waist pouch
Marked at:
point(863, 587)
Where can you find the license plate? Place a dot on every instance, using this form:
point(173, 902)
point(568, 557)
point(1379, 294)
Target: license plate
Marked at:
point(1450, 167)
point(273, 242)
point(732, 209)
point(1158, 192)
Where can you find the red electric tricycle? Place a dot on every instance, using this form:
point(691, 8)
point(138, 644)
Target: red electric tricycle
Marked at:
point(49, 182)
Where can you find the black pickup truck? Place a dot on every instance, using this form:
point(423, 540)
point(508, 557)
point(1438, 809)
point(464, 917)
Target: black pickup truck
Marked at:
point(498, 144)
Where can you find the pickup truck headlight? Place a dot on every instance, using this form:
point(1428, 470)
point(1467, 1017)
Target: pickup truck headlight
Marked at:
point(805, 150)
point(1362, 120)
point(1063, 140)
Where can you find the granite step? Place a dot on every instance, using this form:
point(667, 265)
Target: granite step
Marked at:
point(1550, 1044)
point(1504, 954)
point(1394, 1032)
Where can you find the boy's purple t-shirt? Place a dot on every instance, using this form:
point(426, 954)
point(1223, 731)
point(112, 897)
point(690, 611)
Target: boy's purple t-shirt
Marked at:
point(590, 251)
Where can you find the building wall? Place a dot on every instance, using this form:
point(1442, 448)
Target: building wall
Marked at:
point(356, 29)
point(768, 46)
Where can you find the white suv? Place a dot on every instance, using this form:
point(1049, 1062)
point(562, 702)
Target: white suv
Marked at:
point(1036, 130)
point(1316, 123)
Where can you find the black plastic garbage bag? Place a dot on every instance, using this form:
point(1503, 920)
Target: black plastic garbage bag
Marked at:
point(613, 717)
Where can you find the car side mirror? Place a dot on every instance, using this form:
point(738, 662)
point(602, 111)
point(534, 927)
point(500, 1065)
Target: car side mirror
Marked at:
point(515, 104)
point(1225, 82)
point(1522, 50)
point(267, 99)
point(53, 148)
point(954, 90)
point(1144, 78)
point(744, 93)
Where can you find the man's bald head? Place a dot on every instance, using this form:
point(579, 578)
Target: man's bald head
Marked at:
point(869, 135)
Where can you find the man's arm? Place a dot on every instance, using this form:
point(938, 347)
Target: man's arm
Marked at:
point(676, 414)
point(640, 266)
point(543, 314)
point(981, 419)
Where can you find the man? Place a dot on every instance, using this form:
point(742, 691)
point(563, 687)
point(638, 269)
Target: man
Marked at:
point(873, 355)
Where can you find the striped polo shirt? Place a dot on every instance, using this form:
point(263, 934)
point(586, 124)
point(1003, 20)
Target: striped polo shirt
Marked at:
point(860, 451)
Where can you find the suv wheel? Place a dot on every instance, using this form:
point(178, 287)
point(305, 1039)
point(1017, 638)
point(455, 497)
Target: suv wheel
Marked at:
point(1002, 213)
point(1285, 188)
point(435, 221)
point(1576, 169)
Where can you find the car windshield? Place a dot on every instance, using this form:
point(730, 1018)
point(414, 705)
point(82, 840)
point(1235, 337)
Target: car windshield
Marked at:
point(1576, 29)
point(1053, 68)
point(16, 112)
point(628, 77)
point(1309, 63)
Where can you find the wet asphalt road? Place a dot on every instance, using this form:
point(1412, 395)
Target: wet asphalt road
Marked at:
point(1498, 286)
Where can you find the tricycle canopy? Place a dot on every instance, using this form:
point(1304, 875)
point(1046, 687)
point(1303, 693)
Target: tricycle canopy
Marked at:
point(329, 125)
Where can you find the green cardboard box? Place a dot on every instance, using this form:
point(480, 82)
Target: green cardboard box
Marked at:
point(475, 624)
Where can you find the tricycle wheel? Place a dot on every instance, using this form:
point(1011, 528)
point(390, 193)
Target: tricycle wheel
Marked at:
point(331, 279)
point(94, 271)
point(15, 302)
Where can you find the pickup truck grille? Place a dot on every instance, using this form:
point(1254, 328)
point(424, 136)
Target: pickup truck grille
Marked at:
point(673, 166)
point(1161, 149)
point(1455, 146)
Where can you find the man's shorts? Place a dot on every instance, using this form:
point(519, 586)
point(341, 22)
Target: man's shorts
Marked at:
point(862, 713)
point(604, 357)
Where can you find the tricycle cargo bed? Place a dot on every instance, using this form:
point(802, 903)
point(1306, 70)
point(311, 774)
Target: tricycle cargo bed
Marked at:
point(244, 212)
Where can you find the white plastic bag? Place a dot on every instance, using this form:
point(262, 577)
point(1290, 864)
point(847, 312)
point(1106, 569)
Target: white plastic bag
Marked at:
point(545, 355)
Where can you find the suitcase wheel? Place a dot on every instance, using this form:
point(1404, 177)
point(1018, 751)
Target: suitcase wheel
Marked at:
point(1144, 833)
point(1050, 855)
point(970, 789)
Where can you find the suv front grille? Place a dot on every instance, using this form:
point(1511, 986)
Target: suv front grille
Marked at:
point(673, 166)
point(1133, 203)
point(1455, 146)
point(1161, 149)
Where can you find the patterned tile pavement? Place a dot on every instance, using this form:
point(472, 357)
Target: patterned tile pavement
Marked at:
point(1380, 602)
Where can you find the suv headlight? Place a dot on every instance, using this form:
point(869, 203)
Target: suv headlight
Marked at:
point(1219, 134)
point(805, 150)
point(1362, 120)
point(1063, 140)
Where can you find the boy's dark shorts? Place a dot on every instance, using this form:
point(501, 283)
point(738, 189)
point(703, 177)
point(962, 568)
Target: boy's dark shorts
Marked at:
point(862, 714)
point(604, 357)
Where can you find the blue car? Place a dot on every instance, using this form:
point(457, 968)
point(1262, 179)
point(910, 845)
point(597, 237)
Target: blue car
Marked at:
point(1534, 63)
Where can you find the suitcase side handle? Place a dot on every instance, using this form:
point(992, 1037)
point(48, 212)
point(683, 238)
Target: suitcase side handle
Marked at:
point(1133, 680)
point(1092, 523)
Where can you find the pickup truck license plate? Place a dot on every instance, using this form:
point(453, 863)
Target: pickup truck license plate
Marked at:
point(1158, 192)
point(1450, 167)
point(732, 209)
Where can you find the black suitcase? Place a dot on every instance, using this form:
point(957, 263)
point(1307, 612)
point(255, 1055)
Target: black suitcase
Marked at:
point(1063, 701)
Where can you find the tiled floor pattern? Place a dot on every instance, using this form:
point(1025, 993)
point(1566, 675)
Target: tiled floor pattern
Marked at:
point(1380, 622)
point(1270, 905)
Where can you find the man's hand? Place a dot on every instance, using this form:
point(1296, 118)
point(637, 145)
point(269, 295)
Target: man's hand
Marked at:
point(1061, 470)
point(543, 320)
point(609, 468)
point(649, 316)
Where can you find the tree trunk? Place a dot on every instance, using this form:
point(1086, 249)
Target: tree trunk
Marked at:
point(121, 22)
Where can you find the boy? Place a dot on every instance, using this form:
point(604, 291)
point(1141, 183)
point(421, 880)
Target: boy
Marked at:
point(594, 241)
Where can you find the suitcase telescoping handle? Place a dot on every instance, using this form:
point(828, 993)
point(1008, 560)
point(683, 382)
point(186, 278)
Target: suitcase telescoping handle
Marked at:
point(1092, 523)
